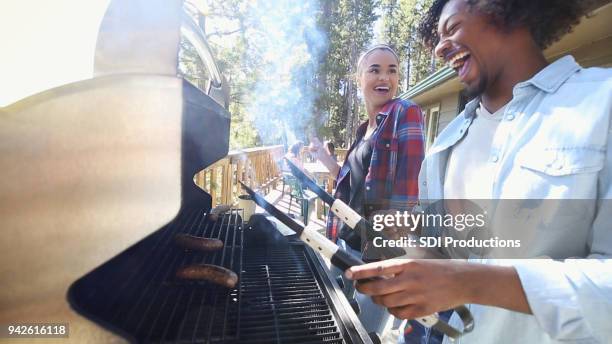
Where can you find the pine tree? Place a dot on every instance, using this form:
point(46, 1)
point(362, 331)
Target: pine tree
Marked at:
point(399, 29)
point(349, 25)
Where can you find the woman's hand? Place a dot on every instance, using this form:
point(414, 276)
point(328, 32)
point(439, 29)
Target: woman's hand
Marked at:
point(417, 288)
point(317, 147)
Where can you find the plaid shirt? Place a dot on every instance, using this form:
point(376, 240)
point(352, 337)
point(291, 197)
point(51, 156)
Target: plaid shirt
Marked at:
point(392, 180)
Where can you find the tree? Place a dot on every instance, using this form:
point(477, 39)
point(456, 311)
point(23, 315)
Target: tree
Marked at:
point(271, 50)
point(399, 29)
point(349, 26)
point(291, 67)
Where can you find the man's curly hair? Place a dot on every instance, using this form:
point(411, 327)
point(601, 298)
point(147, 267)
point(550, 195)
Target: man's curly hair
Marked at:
point(547, 20)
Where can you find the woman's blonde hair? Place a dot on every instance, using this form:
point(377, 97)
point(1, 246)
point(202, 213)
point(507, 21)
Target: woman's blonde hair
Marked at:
point(369, 51)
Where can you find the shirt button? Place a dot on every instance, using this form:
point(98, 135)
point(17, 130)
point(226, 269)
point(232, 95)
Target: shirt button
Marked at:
point(495, 158)
point(424, 183)
point(367, 188)
point(510, 117)
point(387, 145)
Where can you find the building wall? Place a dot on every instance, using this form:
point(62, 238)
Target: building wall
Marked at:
point(449, 110)
point(438, 114)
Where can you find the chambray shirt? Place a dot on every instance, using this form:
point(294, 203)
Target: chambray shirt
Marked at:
point(553, 143)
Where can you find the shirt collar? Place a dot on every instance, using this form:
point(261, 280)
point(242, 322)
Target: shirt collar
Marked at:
point(362, 129)
point(548, 80)
point(470, 108)
point(364, 126)
point(384, 112)
point(553, 76)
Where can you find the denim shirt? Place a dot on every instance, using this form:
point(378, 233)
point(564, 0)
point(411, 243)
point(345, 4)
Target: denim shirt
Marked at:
point(552, 143)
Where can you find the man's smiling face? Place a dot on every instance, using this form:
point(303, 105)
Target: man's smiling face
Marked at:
point(471, 45)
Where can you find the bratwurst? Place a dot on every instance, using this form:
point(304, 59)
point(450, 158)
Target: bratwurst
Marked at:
point(213, 273)
point(195, 243)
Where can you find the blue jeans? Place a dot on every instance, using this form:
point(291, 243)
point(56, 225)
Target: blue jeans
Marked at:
point(419, 334)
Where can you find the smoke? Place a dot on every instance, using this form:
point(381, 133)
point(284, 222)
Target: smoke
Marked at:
point(289, 46)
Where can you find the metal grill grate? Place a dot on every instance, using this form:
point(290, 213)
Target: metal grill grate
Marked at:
point(281, 300)
point(278, 299)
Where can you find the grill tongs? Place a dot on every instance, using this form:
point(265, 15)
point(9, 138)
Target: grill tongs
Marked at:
point(357, 223)
point(343, 260)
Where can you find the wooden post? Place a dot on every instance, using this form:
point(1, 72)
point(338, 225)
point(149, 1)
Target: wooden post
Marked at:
point(213, 185)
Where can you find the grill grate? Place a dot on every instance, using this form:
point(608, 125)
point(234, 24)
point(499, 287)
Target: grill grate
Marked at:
point(278, 299)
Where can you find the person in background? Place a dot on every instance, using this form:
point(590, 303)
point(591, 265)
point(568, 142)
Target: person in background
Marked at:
point(536, 133)
point(330, 149)
point(382, 164)
point(293, 154)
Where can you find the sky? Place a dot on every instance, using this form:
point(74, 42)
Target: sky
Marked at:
point(46, 43)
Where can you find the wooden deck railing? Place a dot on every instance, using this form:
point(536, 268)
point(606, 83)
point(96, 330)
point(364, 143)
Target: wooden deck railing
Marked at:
point(341, 154)
point(257, 167)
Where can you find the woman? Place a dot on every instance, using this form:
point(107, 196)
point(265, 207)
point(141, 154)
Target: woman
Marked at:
point(382, 165)
point(330, 148)
point(293, 154)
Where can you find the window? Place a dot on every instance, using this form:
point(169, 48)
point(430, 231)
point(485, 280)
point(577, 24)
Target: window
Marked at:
point(432, 117)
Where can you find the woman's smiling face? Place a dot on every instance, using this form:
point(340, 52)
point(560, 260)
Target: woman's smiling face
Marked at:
point(378, 77)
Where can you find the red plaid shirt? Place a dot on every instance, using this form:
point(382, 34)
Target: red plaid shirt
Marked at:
point(392, 180)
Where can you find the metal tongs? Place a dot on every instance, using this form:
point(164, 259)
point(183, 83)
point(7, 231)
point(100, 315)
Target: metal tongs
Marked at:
point(343, 260)
point(361, 225)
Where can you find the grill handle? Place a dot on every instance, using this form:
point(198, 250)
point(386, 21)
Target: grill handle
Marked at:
point(217, 87)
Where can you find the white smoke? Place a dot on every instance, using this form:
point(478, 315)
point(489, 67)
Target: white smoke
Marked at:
point(289, 45)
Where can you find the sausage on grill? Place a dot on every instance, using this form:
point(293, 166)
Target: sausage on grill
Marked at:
point(213, 273)
point(195, 243)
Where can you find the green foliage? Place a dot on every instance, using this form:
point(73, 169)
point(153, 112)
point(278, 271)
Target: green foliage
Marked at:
point(231, 50)
point(400, 21)
point(319, 93)
point(349, 26)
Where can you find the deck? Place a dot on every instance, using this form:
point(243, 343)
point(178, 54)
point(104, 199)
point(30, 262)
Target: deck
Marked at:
point(276, 197)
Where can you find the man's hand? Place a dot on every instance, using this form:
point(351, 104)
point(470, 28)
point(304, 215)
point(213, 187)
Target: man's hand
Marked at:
point(413, 288)
point(416, 288)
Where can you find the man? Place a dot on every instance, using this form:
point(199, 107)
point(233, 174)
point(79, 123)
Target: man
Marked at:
point(533, 131)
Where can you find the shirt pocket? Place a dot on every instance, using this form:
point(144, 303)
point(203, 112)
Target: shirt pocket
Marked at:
point(559, 162)
point(386, 145)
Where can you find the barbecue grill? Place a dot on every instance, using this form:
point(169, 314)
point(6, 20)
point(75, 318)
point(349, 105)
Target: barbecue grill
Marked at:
point(91, 206)
point(283, 294)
